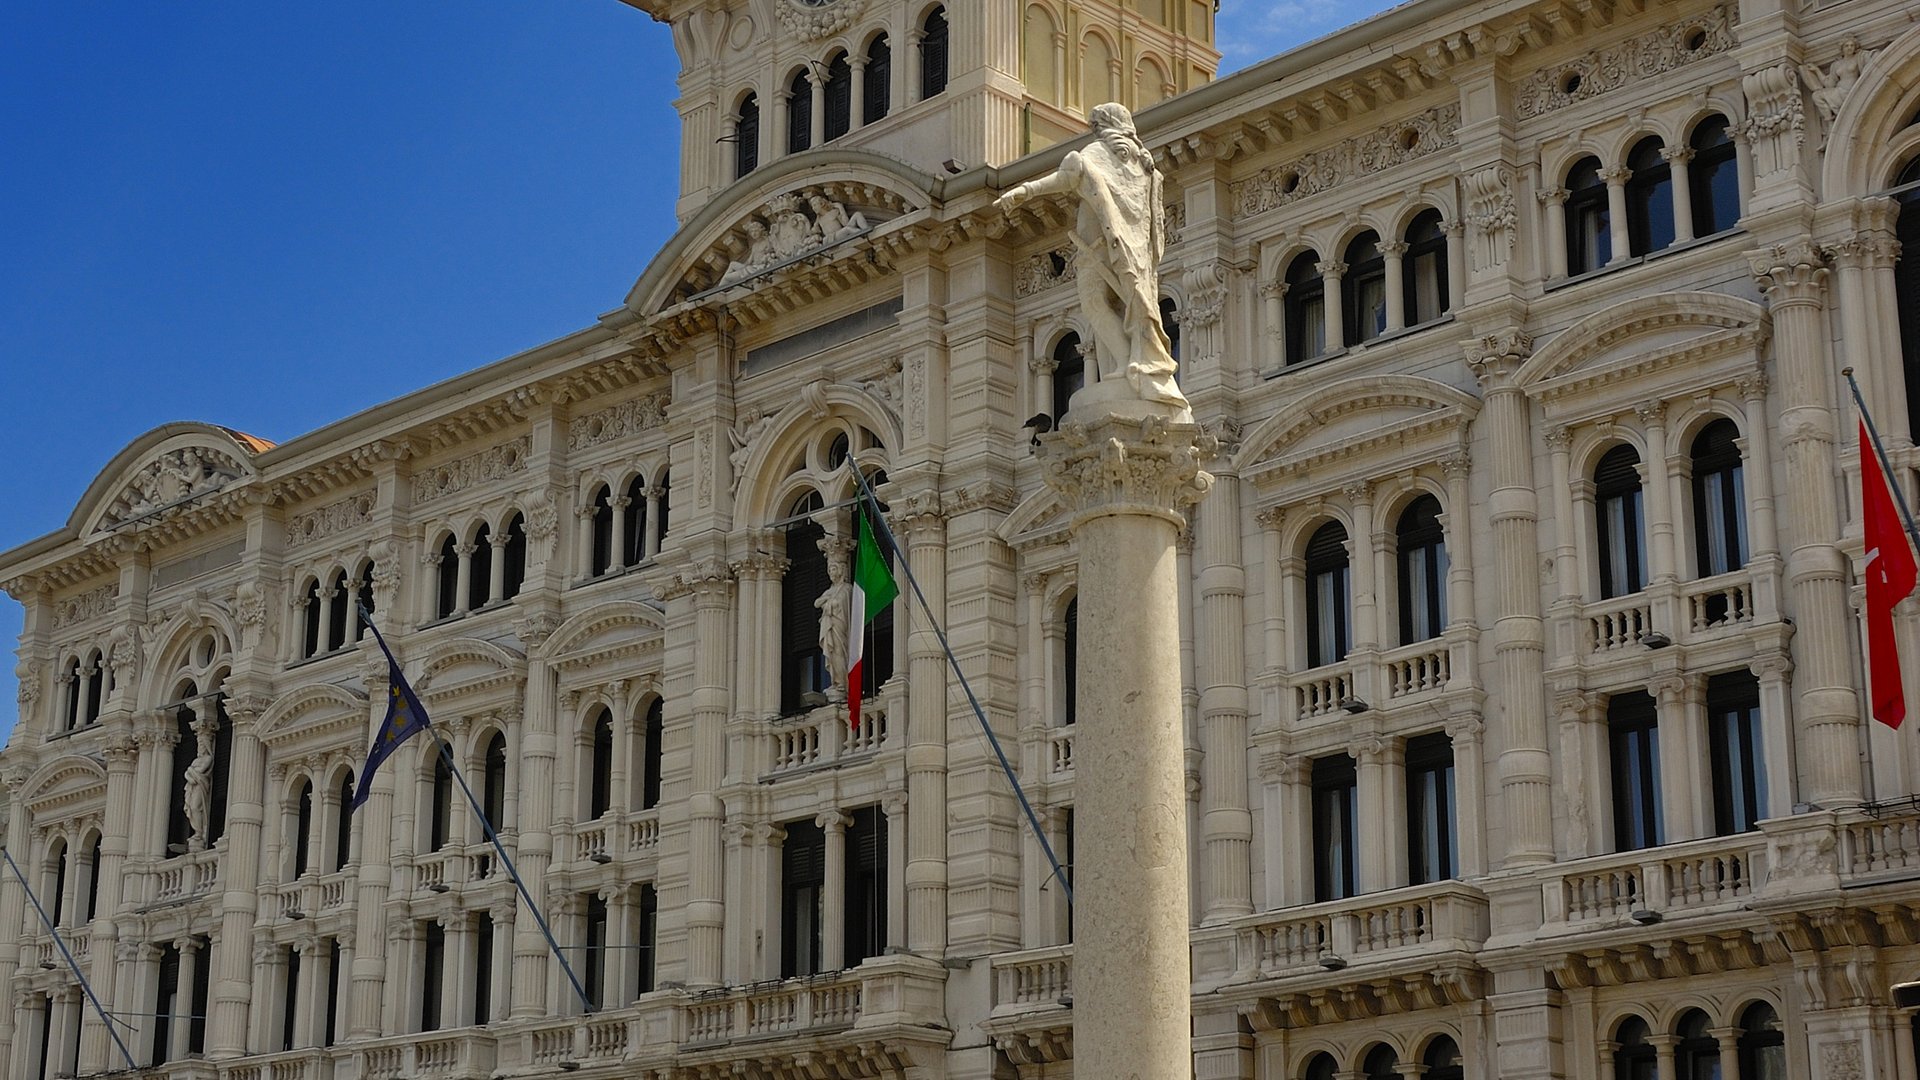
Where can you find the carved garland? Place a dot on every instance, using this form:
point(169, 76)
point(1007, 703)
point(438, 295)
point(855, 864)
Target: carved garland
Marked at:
point(1609, 69)
point(455, 476)
point(329, 520)
point(618, 421)
point(1322, 170)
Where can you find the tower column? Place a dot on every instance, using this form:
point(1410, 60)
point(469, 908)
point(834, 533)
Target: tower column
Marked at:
point(1126, 482)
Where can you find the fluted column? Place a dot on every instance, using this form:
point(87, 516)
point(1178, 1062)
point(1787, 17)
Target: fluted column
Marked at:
point(1524, 766)
point(367, 975)
point(1869, 316)
point(1664, 564)
point(925, 530)
point(180, 1023)
point(464, 578)
point(1795, 280)
point(1226, 819)
point(1125, 485)
point(122, 760)
point(532, 810)
point(710, 584)
point(239, 879)
point(13, 910)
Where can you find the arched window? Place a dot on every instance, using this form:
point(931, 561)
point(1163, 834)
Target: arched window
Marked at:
point(181, 834)
point(90, 908)
point(1364, 289)
point(1634, 753)
point(1423, 571)
point(601, 553)
point(363, 598)
point(514, 574)
point(96, 687)
point(56, 885)
point(339, 611)
point(1070, 661)
point(447, 592)
point(1423, 270)
point(343, 823)
point(480, 574)
point(1306, 308)
point(1636, 1059)
point(600, 765)
point(1906, 282)
point(1328, 590)
point(746, 136)
point(493, 798)
point(310, 641)
point(1649, 198)
point(1069, 374)
point(440, 811)
point(877, 90)
point(1170, 321)
point(799, 112)
point(635, 521)
point(1697, 1057)
point(1589, 221)
point(1713, 178)
point(302, 828)
point(1719, 501)
point(803, 670)
point(652, 732)
point(1763, 1045)
point(661, 505)
point(839, 91)
point(1618, 519)
point(1320, 1067)
point(933, 53)
point(1443, 1060)
point(1380, 1064)
point(76, 690)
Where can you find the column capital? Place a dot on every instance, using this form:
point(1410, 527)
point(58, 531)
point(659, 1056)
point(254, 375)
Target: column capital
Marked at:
point(1332, 268)
point(1651, 412)
point(1790, 272)
point(1271, 518)
point(1393, 249)
point(1752, 386)
point(833, 821)
point(1273, 290)
point(1616, 175)
point(1552, 196)
point(1678, 155)
point(1116, 466)
point(1495, 357)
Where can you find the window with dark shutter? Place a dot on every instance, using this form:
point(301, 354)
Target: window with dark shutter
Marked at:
point(1906, 284)
point(1423, 568)
point(1589, 230)
point(877, 89)
point(651, 735)
point(803, 878)
point(480, 573)
point(802, 668)
point(1618, 516)
point(1069, 374)
point(1649, 198)
point(648, 930)
point(595, 975)
point(933, 53)
point(866, 887)
point(746, 134)
point(433, 975)
point(1634, 752)
point(1431, 845)
point(602, 547)
point(482, 968)
point(600, 775)
point(1070, 661)
point(1328, 590)
point(310, 644)
point(1734, 749)
point(514, 573)
point(1335, 795)
point(799, 113)
point(839, 91)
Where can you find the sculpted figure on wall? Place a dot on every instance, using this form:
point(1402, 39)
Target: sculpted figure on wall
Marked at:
point(835, 606)
point(198, 795)
point(1119, 236)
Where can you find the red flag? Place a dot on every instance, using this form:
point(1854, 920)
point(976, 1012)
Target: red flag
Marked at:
point(1890, 574)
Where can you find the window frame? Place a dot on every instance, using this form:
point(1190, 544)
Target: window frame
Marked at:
point(1589, 216)
point(1335, 790)
point(1633, 759)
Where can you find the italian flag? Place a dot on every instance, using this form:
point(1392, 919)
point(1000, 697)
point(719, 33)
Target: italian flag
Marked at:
point(873, 590)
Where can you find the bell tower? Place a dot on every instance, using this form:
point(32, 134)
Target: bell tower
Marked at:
point(943, 86)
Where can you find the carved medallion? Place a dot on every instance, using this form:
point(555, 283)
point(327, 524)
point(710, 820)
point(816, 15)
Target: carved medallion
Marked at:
point(812, 20)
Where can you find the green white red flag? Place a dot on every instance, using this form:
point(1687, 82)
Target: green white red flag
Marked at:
point(873, 590)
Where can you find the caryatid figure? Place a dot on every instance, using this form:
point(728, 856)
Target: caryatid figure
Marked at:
point(1120, 235)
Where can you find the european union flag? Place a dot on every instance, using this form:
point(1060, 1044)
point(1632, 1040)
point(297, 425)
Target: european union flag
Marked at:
point(405, 716)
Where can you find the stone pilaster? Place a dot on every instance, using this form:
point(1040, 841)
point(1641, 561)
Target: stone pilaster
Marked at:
point(1126, 482)
point(239, 876)
point(1226, 818)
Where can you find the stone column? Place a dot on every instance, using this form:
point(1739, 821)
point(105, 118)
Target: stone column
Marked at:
point(533, 809)
point(817, 122)
point(833, 895)
point(894, 805)
point(857, 108)
point(619, 783)
point(1375, 861)
point(367, 975)
point(464, 578)
point(181, 1021)
point(583, 543)
point(710, 584)
point(496, 567)
point(1678, 822)
point(1555, 201)
point(1794, 277)
point(1678, 157)
point(1456, 231)
point(1394, 255)
point(1126, 482)
point(239, 873)
point(1332, 304)
point(1273, 305)
point(618, 556)
point(1616, 177)
point(924, 529)
point(1525, 769)
point(1470, 802)
point(651, 536)
point(1664, 563)
point(1226, 818)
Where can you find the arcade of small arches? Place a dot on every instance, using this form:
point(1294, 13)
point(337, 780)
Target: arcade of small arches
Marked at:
point(1067, 74)
point(477, 566)
point(1650, 197)
point(626, 522)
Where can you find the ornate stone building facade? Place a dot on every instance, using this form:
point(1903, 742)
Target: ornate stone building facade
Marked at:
point(1524, 712)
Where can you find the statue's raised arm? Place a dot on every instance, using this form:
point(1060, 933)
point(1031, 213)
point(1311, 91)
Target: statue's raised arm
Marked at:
point(1119, 236)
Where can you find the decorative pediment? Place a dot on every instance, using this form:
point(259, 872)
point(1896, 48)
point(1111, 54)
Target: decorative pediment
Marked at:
point(166, 469)
point(63, 787)
point(811, 221)
point(1381, 419)
point(314, 713)
point(466, 666)
point(1678, 332)
point(619, 630)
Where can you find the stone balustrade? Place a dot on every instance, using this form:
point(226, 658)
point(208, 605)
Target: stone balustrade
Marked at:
point(1699, 876)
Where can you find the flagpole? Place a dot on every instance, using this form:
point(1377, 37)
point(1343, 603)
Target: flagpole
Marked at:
point(513, 872)
point(71, 962)
point(1886, 467)
point(1033, 820)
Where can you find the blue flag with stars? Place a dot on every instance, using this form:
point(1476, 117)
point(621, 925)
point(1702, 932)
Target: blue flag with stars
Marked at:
point(405, 716)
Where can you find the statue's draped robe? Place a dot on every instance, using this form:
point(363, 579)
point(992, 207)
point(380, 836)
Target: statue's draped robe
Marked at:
point(1121, 235)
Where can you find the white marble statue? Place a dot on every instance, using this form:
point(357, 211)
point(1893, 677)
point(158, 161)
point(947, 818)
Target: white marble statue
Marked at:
point(834, 222)
point(199, 788)
point(1119, 236)
point(835, 606)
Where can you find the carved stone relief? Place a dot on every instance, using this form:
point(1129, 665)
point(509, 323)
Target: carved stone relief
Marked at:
point(1831, 84)
point(91, 604)
point(1611, 68)
point(1491, 211)
point(816, 21)
point(459, 475)
point(329, 520)
point(790, 226)
point(618, 421)
point(171, 478)
point(1776, 118)
point(1321, 170)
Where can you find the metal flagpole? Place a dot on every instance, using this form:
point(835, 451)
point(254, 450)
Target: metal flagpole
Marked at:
point(446, 755)
point(71, 962)
point(1879, 451)
point(1033, 820)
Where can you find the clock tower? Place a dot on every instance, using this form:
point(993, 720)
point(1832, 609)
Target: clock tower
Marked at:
point(940, 86)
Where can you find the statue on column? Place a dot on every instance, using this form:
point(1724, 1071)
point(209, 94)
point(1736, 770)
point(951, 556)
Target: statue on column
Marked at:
point(199, 786)
point(1119, 237)
point(835, 606)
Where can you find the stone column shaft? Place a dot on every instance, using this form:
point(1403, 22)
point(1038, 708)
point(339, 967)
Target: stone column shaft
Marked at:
point(1226, 816)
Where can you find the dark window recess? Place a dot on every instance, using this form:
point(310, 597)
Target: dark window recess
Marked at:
point(1423, 270)
point(447, 591)
point(1170, 322)
point(601, 557)
point(1617, 510)
point(1763, 1043)
point(746, 137)
point(310, 642)
point(1432, 845)
point(799, 113)
point(1364, 289)
point(222, 765)
point(1380, 1064)
point(933, 53)
point(364, 598)
point(1070, 661)
point(649, 929)
point(493, 797)
point(1335, 799)
point(58, 899)
point(803, 670)
point(343, 824)
point(1306, 309)
point(877, 89)
point(433, 976)
point(839, 91)
point(1328, 589)
point(1649, 198)
point(1697, 1057)
point(600, 774)
point(1443, 1060)
point(652, 733)
point(514, 573)
point(634, 520)
point(1636, 1058)
point(1713, 178)
point(480, 575)
point(483, 968)
point(1906, 285)
point(1735, 750)
point(92, 909)
point(290, 998)
point(1321, 1067)
point(1719, 506)
point(1069, 374)
point(803, 877)
point(201, 991)
point(440, 814)
point(337, 615)
point(336, 965)
point(303, 829)
point(184, 751)
point(1589, 221)
point(595, 950)
point(166, 1004)
point(1633, 736)
point(1422, 556)
point(865, 921)
point(660, 509)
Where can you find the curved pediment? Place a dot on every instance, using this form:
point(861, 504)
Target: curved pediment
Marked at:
point(166, 468)
point(1040, 518)
point(619, 629)
point(803, 209)
point(62, 784)
point(311, 710)
point(1375, 415)
point(469, 665)
point(1642, 334)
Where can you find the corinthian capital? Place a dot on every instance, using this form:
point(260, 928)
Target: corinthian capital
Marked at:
point(1123, 466)
point(1796, 271)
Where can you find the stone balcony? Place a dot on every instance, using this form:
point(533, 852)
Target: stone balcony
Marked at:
point(310, 894)
point(1702, 612)
point(822, 739)
point(1373, 678)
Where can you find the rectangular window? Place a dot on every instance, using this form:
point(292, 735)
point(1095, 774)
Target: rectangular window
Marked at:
point(1328, 640)
point(202, 991)
point(648, 930)
point(166, 1003)
point(1633, 732)
point(595, 942)
point(1733, 737)
point(866, 911)
point(803, 878)
point(1432, 845)
point(483, 968)
point(290, 997)
point(336, 961)
point(1335, 800)
point(432, 976)
point(1623, 567)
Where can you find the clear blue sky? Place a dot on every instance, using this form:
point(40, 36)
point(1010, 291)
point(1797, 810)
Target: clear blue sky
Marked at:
point(271, 216)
